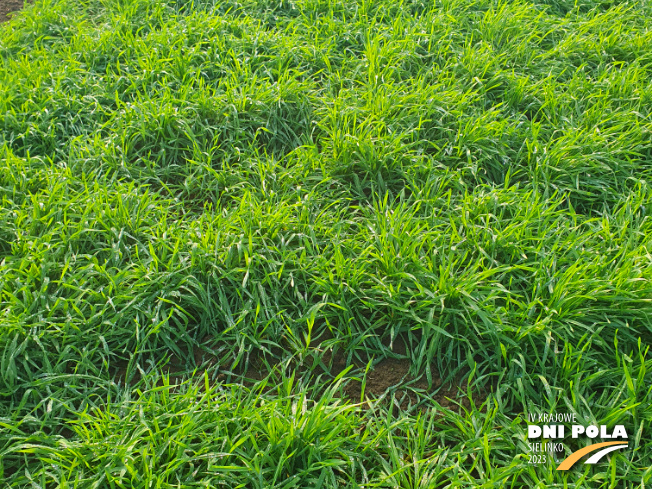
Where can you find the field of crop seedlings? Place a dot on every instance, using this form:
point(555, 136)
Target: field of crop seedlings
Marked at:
point(324, 243)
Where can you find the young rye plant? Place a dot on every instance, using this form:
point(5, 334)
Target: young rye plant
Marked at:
point(216, 217)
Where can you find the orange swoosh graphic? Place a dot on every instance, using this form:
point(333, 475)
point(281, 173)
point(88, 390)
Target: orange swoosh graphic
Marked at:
point(575, 456)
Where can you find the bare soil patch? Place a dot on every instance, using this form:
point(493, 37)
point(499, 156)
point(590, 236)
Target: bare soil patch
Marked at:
point(8, 6)
point(389, 378)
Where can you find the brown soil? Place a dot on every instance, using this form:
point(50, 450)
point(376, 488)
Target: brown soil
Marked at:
point(8, 6)
point(388, 378)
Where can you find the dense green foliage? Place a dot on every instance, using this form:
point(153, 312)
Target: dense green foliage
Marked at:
point(284, 182)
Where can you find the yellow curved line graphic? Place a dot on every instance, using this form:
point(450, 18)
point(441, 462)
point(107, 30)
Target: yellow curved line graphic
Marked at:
point(575, 456)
